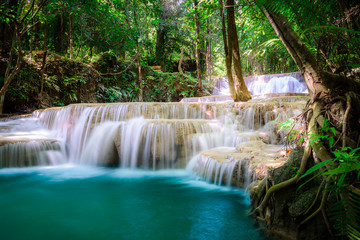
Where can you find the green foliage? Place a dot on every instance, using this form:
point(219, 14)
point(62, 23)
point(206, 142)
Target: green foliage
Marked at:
point(294, 132)
point(323, 134)
point(262, 51)
point(26, 87)
point(115, 94)
point(327, 28)
point(340, 172)
point(162, 86)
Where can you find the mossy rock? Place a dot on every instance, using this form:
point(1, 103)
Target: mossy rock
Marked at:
point(301, 203)
point(288, 170)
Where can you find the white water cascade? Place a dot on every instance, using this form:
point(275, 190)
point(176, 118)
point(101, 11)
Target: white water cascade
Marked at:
point(156, 136)
point(265, 84)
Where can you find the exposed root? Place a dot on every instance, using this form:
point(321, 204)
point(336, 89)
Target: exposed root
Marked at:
point(319, 149)
point(286, 183)
point(321, 207)
point(326, 220)
point(316, 197)
point(346, 117)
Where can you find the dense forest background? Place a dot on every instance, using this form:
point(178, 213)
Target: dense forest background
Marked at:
point(54, 53)
point(101, 51)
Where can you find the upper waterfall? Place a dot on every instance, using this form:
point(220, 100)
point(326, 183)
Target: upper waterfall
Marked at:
point(264, 84)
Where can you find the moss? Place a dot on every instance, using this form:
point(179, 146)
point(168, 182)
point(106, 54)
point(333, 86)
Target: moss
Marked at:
point(302, 203)
point(288, 170)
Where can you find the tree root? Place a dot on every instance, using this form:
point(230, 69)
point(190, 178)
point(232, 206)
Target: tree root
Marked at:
point(346, 117)
point(321, 207)
point(286, 183)
point(316, 198)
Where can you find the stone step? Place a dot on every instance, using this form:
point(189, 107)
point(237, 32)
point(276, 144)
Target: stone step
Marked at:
point(238, 166)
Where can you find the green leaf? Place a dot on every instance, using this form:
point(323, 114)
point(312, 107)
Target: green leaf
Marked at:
point(316, 167)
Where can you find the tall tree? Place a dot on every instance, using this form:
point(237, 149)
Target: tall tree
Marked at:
point(20, 19)
point(232, 54)
point(197, 22)
point(228, 52)
point(242, 93)
point(334, 99)
point(161, 35)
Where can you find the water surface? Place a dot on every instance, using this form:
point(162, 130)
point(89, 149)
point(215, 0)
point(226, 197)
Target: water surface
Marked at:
point(97, 203)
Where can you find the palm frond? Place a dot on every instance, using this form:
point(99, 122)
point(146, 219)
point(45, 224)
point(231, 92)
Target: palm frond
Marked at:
point(345, 214)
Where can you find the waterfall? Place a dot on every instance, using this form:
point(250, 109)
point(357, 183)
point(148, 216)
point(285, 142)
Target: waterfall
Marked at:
point(25, 142)
point(265, 84)
point(206, 136)
point(145, 135)
point(31, 153)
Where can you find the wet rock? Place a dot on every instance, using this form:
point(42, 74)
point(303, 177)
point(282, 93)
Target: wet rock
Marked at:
point(288, 170)
point(301, 203)
point(288, 206)
point(240, 166)
point(22, 152)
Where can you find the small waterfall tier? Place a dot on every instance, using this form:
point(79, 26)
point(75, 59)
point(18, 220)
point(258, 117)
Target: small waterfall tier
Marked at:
point(266, 84)
point(240, 166)
point(148, 143)
point(213, 98)
point(24, 142)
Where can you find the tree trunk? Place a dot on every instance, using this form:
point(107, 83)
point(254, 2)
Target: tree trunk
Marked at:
point(9, 76)
point(160, 46)
point(140, 76)
point(318, 81)
point(208, 51)
point(197, 22)
point(31, 40)
point(7, 32)
point(59, 35)
point(228, 52)
point(242, 93)
point(122, 52)
point(71, 40)
point(43, 67)
point(160, 37)
point(180, 62)
point(335, 99)
point(211, 64)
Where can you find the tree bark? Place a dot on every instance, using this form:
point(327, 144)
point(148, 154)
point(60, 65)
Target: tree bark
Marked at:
point(228, 52)
point(44, 58)
point(180, 62)
point(7, 31)
point(318, 81)
point(160, 37)
point(332, 99)
point(242, 93)
point(208, 56)
point(71, 40)
point(160, 46)
point(197, 22)
point(9, 76)
point(140, 76)
point(59, 35)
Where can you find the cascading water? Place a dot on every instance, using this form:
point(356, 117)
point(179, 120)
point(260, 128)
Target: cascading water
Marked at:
point(264, 84)
point(220, 142)
point(144, 135)
point(25, 142)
